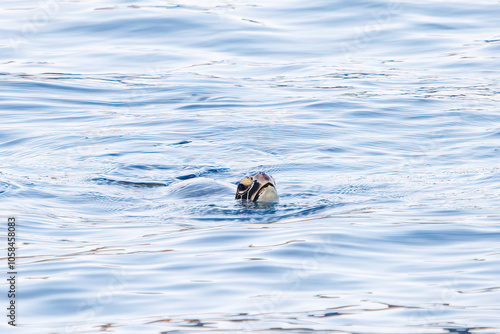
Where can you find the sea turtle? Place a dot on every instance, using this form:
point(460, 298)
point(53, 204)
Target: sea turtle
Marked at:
point(258, 187)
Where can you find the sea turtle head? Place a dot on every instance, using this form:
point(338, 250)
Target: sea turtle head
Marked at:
point(259, 187)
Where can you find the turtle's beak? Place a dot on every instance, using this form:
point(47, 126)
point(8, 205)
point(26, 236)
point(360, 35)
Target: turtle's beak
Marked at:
point(267, 191)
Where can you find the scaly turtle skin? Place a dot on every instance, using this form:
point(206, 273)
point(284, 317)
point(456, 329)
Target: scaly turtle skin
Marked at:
point(258, 187)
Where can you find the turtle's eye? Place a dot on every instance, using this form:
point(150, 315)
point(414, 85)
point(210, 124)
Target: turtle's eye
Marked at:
point(242, 187)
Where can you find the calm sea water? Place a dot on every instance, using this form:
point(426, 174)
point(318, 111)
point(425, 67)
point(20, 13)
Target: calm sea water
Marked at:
point(126, 124)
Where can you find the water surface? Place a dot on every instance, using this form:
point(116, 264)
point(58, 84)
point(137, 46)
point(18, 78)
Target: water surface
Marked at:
point(378, 120)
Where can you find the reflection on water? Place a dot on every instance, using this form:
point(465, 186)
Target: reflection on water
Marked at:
point(128, 125)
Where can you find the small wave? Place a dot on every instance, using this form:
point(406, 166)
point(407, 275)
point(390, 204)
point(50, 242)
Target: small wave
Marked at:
point(103, 180)
point(4, 186)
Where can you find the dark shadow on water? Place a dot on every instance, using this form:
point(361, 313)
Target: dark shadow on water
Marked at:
point(464, 330)
point(257, 213)
point(257, 205)
point(103, 180)
point(204, 172)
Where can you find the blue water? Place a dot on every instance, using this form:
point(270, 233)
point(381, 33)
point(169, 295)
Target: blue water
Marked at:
point(126, 125)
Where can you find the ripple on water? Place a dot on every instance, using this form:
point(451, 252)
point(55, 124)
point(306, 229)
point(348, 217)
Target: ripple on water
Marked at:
point(4, 186)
